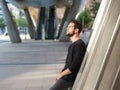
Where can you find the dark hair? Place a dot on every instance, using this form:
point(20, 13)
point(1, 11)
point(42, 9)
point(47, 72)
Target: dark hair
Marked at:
point(78, 25)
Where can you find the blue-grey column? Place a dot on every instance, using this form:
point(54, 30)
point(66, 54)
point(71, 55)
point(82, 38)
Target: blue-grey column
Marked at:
point(31, 28)
point(51, 26)
point(41, 23)
point(11, 26)
point(63, 21)
point(71, 15)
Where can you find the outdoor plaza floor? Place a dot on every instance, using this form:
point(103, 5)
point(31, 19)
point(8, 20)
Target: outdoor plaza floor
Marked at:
point(30, 65)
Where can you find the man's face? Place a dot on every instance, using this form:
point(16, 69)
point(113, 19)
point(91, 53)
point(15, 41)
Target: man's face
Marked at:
point(70, 30)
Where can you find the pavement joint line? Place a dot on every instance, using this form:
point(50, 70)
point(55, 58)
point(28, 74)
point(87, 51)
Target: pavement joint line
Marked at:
point(30, 63)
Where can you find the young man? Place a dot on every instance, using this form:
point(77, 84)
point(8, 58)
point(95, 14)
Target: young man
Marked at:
point(65, 79)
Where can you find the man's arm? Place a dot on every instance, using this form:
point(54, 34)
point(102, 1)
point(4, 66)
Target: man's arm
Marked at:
point(79, 51)
point(63, 73)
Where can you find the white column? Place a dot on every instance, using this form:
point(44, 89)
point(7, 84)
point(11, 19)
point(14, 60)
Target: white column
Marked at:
point(103, 30)
point(71, 15)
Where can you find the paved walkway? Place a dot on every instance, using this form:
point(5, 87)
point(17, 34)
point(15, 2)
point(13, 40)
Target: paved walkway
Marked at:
point(30, 65)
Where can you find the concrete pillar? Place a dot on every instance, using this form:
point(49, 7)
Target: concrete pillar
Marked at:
point(63, 21)
point(31, 28)
point(11, 26)
point(103, 52)
point(51, 24)
point(41, 24)
point(71, 15)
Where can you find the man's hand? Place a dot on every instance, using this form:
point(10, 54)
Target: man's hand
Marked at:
point(65, 72)
point(58, 76)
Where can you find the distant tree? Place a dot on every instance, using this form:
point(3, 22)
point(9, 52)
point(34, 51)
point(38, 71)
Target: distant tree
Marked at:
point(88, 15)
point(85, 18)
point(21, 21)
point(2, 24)
point(94, 8)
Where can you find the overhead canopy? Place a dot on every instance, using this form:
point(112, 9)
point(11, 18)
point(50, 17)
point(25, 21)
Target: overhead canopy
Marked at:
point(40, 3)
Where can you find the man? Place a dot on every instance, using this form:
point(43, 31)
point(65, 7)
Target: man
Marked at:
point(65, 79)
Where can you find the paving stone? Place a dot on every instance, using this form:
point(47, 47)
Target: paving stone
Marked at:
point(31, 65)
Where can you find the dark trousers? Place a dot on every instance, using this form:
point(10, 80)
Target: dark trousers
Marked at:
point(62, 85)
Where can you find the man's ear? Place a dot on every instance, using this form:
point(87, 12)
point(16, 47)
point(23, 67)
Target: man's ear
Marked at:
point(76, 30)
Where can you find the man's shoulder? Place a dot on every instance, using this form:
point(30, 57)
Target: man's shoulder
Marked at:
point(78, 42)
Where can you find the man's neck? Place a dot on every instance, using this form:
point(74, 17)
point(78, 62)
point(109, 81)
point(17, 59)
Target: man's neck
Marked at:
point(74, 38)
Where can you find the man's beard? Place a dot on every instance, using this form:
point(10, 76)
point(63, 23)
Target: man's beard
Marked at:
point(70, 34)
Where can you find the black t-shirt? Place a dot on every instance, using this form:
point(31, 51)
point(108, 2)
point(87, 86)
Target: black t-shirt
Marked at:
point(74, 59)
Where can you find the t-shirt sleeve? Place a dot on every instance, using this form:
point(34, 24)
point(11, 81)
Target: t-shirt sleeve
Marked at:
point(78, 54)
